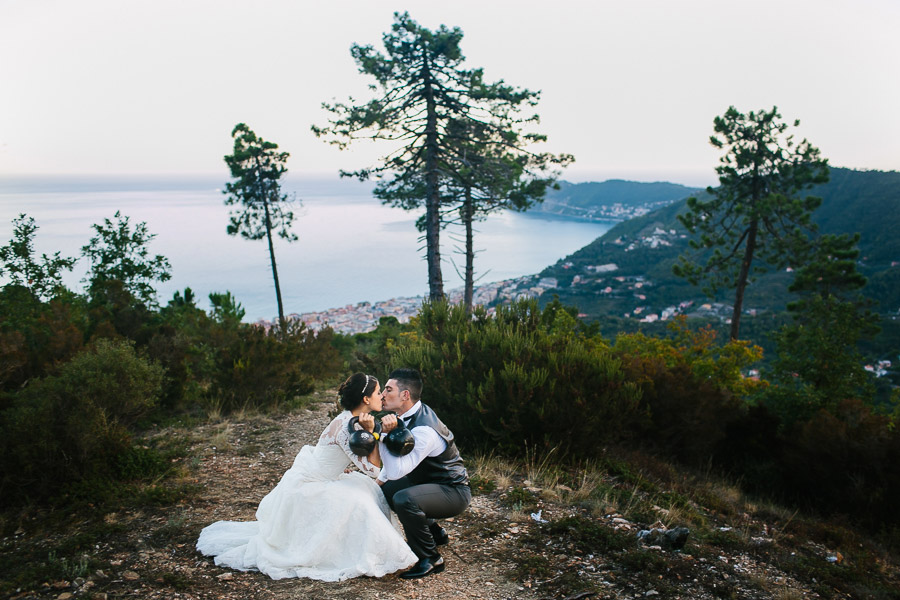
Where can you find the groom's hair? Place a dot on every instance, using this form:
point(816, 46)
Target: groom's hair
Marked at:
point(408, 379)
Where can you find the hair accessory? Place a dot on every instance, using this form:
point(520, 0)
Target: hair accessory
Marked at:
point(365, 385)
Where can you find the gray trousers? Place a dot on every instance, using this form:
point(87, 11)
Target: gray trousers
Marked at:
point(417, 506)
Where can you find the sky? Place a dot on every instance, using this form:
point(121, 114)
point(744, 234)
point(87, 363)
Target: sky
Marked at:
point(629, 87)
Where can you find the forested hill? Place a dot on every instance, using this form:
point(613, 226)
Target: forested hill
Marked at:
point(867, 202)
point(613, 199)
point(644, 248)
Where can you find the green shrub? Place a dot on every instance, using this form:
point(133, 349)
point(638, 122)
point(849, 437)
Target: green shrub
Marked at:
point(520, 378)
point(520, 499)
point(590, 536)
point(692, 388)
point(481, 486)
point(138, 462)
point(35, 336)
point(264, 367)
point(845, 462)
point(217, 360)
point(371, 352)
point(75, 425)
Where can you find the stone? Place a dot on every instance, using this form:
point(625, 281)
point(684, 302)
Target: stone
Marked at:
point(666, 539)
point(130, 576)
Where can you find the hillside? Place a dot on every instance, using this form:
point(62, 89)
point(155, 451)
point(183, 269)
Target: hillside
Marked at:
point(628, 271)
point(532, 532)
point(614, 199)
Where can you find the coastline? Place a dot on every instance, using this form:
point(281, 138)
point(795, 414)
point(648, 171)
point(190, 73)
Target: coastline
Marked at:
point(364, 316)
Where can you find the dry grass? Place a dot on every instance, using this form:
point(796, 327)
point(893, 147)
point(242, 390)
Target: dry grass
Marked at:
point(492, 468)
point(541, 469)
point(789, 594)
point(221, 439)
point(675, 516)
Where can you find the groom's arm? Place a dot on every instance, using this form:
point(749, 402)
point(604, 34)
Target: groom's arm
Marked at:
point(428, 443)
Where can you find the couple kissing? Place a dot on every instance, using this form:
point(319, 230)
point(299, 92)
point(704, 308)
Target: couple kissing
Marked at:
point(322, 522)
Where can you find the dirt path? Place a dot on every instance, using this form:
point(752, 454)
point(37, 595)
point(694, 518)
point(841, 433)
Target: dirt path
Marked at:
point(239, 462)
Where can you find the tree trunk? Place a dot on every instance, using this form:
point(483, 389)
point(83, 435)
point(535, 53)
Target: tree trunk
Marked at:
point(749, 248)
point(743, 277)
point(433, 201)
point(274, 267)
point(468, 212)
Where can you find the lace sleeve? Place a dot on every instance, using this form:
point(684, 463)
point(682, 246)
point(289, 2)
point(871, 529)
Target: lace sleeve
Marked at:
point(337, 433)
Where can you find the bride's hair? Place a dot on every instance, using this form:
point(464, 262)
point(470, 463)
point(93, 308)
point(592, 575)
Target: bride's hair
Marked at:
point(357, 387)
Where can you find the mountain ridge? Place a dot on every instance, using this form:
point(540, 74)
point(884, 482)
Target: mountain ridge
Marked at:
point(647, 246)
point(613, 199)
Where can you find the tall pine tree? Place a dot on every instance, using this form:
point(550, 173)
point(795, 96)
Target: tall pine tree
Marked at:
point(755, 218)
point(422, 90)
point(493, 169)
point(262, 210)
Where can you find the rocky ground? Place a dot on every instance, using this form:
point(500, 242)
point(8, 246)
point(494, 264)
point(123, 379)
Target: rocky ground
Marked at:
point(497, 550)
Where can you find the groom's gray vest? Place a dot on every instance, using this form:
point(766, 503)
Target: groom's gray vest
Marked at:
point(447, 467)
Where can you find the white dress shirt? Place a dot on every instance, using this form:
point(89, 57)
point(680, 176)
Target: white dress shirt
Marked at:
point(428, 443)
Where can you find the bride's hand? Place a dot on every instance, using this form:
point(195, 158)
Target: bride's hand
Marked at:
point(367, 422)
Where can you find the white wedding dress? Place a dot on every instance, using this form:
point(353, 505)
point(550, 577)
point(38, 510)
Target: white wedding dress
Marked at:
point(319, 522)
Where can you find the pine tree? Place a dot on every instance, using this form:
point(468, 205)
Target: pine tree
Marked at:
point(818, 361)
point(423, 90)
point(755, 215)
point(257, 167)
point(493, 170)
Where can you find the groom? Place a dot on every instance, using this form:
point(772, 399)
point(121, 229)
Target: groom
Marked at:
point(428, 483)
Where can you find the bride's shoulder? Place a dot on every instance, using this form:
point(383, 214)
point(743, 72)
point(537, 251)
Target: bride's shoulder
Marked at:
point(340, 420)
point(336, 427)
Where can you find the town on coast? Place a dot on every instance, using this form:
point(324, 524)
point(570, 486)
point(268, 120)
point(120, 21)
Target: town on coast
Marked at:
point(364, 316)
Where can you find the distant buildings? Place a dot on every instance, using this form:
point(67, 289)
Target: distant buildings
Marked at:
point(659, 237)
point(602, 212)
point(880, 369)
point(362, 317)
point(603, 279)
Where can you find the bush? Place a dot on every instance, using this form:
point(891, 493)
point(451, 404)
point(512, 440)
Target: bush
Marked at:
point(264, 367)
point(371, 352)
point(35, 336)
point(75, 425)
point(216, 359)
point(845, 461)
point(521, 377)
point(692, 388)
point(527, 377)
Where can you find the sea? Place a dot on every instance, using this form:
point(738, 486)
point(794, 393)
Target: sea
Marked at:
point(350, 247)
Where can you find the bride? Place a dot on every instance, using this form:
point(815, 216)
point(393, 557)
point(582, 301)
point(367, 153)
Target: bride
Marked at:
point(320, 522)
